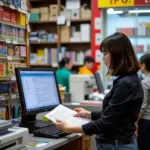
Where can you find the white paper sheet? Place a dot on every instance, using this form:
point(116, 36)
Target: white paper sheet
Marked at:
point(63, 113)
point(73, 4)
point(61, 20)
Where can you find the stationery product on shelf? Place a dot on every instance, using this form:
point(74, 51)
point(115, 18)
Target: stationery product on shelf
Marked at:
point(43, 36)
point(52, 57)
point(12, 50)
point(10, 111)
point(12, 33)
point(3, 70)
point(66, 35)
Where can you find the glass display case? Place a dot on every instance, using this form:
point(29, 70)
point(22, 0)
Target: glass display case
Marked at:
point(132, 21)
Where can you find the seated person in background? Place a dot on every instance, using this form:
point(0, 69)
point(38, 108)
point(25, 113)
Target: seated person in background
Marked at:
point(63, 74)
point(88, 66)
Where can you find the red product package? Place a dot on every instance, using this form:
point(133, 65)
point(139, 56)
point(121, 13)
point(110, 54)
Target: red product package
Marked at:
point(6, 15)
point(1, 13)
point(13, 17)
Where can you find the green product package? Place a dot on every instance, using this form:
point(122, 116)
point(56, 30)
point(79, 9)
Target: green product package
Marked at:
point(35, 17)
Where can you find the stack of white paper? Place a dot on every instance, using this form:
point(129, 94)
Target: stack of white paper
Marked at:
point(63, 113)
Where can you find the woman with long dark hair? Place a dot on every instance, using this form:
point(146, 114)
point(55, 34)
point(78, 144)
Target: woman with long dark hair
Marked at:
point(114, 126)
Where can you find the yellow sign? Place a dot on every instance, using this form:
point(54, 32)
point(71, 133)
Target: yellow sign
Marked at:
point(115, 3)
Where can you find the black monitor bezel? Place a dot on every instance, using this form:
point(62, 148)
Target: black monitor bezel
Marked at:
point(21, 93)
point(99, 82)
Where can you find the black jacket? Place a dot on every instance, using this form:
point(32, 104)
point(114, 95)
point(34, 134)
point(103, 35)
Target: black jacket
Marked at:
point(121, 107)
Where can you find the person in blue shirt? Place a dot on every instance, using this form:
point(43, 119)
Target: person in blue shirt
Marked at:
point(63, 74)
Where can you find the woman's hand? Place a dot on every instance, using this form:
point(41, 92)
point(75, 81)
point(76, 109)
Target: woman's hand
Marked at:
point(62, 125)
point(82, 113)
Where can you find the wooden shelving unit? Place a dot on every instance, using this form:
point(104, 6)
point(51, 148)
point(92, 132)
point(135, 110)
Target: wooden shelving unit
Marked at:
point(12, 24)
point(14, 52)
point(43, 43)
point(14, 42)
point(52, 27)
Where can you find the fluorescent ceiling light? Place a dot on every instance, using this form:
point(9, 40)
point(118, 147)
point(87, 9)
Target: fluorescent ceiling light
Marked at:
point(111, 11)
point(138, 11)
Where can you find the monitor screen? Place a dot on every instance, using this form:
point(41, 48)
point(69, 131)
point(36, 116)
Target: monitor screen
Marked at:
point(39, 89)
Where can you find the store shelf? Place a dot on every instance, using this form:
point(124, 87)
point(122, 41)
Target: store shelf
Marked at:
point(8, 78)
point(54, 21)
point(81, 20)
point(43, 65)
point(9, 41)
point(5, 78)
point(76, 42)
point(12, 57)
point(12, 24)
point(41, 22)
point(40, 65)
point(13, 7)
point(11, 96)
point(43, 43)
point(139, 36)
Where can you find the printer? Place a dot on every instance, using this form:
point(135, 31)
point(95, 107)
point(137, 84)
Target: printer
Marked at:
point(12, 138)
point(81, 85)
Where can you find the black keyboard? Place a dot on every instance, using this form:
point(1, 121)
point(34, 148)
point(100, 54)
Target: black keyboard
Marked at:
point(49, 132)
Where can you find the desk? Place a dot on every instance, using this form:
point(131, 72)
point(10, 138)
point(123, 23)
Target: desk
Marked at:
point(70, 142)
point(73, 141)
point(85, 106)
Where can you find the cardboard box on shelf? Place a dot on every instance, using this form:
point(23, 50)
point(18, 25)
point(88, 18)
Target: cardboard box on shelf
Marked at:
point(53, 8)
point(35, 10)
point(148, 31)
point(53, 16)
point(142, 29)
point(148, 48)
point(139, 48)
point(35, 17)
point(44, 16)
point(85, 32)
point(75, 14)
point(43, 9)
point(148, 24)
point(65, 34)
point(66, 13)
point(86, 13)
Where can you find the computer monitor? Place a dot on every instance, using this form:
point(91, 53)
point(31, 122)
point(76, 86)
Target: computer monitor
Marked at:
point(38, 90)
point(99, 82)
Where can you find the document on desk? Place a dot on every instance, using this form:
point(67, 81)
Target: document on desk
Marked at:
point(63, 113)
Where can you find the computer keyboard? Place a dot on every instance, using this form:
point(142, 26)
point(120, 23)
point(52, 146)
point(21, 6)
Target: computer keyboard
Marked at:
point(49, 132)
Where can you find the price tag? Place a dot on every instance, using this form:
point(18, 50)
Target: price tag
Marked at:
point(68, 23)
point(15, 42)
point(55, 65)
point(13, 78)
point(12, 6)
point(9, 57)
point(1, 3)
point(61, 20)
point(13, 96)
point(28, 28)
point(7, 41)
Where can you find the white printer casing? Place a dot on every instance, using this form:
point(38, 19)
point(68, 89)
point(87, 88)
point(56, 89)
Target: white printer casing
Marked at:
point(16, 140)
